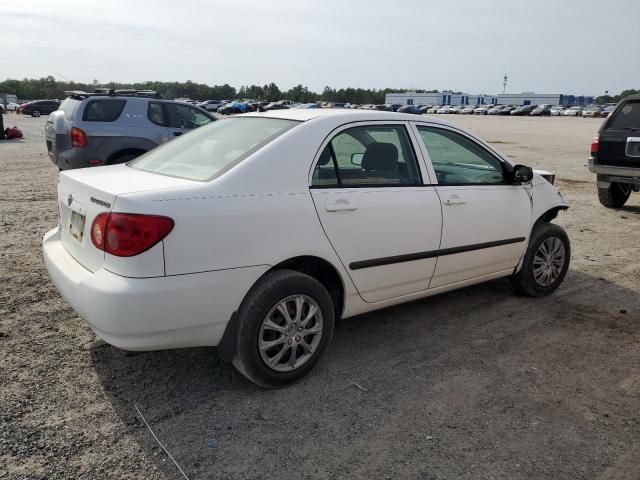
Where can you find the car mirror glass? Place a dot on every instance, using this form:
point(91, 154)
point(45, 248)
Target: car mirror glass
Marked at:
point(522, 174)
point(356, 158)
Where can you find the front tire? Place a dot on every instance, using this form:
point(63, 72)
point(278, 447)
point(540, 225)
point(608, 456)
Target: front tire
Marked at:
point(615, 195)
point(545, 262)
point(285, 324)
point(35, 113)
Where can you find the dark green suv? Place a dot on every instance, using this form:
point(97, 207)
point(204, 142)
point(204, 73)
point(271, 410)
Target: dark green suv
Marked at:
point(615, 154)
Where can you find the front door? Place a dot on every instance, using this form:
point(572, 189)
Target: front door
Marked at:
point(182, 118)
point(486, 220)
point(380, 218)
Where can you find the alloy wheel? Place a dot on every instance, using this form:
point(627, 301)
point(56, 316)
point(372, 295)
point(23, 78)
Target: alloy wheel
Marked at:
point(548, 261)
point(290, 333)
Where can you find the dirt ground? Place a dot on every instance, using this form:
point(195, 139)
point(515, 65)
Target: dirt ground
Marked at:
point(474, 384)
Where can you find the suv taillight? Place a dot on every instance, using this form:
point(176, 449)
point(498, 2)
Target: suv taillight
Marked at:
point(595, 144)
point(128, 234)
point(78, 138)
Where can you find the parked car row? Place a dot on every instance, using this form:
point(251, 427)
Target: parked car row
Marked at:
point(543, 110)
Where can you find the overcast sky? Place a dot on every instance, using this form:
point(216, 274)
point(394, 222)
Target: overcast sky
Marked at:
point(545, 46)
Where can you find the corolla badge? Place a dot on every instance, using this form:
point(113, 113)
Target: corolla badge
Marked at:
point(70, 199)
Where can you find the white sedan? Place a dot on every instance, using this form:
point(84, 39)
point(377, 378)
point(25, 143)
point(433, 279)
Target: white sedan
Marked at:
point(573, 112)
point(256, 233)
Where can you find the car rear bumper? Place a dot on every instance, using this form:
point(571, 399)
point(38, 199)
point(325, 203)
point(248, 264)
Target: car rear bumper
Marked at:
point(149, 313)
point(614, 171)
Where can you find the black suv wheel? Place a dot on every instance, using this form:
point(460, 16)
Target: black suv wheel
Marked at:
point(615, 195)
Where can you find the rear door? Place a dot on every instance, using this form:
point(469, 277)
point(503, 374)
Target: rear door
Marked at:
point(619, 141)
point(382, 220)
point(486, 220)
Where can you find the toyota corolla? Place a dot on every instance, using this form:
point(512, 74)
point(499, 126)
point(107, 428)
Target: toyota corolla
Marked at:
point(256, 233)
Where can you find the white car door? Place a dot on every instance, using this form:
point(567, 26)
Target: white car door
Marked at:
point(382, 220)
point(486, 219)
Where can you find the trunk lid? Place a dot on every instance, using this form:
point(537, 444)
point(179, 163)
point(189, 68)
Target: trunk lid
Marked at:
point(85, 193)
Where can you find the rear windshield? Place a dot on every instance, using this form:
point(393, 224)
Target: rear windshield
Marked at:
point(68, 106)
point(213, 149)
point(627, 117)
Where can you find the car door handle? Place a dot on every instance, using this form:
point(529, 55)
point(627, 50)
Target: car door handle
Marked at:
point(341, 207)
point(455, 200)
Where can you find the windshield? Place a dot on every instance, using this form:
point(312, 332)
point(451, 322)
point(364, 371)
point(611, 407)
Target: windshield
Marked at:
point(213, 149)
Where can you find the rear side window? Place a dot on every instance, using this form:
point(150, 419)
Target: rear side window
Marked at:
point(103, 110)
point(213, 149)
point(626, 117)
point(374, 156)
point(155, 113)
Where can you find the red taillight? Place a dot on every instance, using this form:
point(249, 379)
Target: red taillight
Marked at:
point(128, 234)
point(595, 144)
point(78, 138)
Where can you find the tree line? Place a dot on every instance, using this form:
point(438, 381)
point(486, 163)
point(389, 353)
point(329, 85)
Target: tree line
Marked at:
point(50, 88)
point(616, 98)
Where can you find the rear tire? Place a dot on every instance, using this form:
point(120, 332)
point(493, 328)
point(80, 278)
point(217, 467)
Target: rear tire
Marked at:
point(297, 340)
point(615, 195)
point(35, 113)
point(545, 262)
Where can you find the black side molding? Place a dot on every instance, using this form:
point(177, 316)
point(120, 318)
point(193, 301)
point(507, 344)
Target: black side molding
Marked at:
point(410, 257)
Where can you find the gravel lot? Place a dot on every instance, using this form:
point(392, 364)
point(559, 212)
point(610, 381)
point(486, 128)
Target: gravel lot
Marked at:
point(473, 384)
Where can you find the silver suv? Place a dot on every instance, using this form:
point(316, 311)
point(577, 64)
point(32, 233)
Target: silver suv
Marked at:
point(115, 126)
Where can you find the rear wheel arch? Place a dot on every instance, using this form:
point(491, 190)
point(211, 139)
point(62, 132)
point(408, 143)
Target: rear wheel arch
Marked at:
point(319, 269)
point(324, 272)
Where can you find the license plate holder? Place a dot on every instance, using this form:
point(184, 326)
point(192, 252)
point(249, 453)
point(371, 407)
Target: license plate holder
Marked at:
point(633, 147)
point(76, 225)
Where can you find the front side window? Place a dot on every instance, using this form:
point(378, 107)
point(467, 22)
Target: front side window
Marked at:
point(212, 150)
point(458, 160)
point(155, 113)
point(103, 110)
point(184, 116)
point(368, 156)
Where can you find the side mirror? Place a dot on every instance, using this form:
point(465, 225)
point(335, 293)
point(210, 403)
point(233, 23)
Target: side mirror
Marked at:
point(356, 158)
point(521, 174)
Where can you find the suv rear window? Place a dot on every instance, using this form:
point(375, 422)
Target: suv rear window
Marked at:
point(103, 110)
point(626, 117)
point(209, 151)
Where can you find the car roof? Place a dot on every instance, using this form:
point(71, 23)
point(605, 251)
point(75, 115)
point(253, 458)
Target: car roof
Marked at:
point(343, 115)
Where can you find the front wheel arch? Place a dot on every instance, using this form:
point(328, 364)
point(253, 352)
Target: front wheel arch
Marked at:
point(549, 215)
